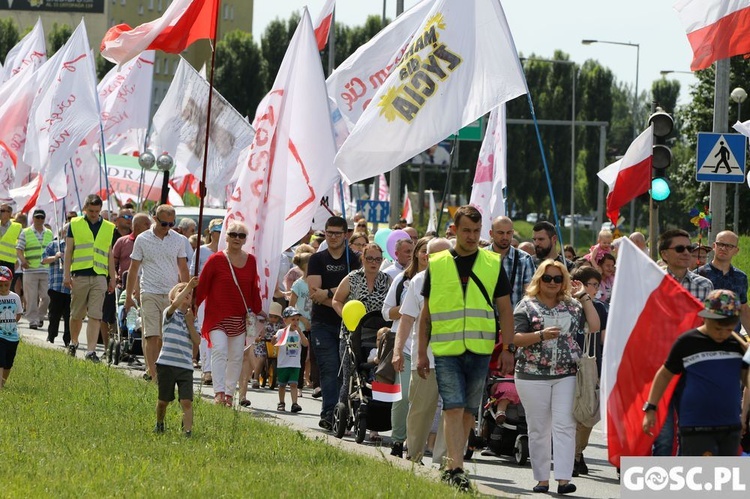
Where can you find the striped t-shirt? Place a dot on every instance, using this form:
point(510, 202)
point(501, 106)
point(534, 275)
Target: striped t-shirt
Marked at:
point(176, 348)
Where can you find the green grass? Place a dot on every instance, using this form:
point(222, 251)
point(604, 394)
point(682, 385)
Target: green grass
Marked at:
point(74, 429)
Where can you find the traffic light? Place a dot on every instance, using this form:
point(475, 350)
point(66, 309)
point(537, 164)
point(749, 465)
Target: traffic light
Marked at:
point(662, 154)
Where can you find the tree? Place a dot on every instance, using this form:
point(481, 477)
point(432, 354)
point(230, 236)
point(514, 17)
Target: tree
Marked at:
point(274, 42)
point(57, 37)
point(242, 72)
point(9, 36)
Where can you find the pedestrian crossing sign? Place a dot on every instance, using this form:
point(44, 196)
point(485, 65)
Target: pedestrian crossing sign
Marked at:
point(721, 157)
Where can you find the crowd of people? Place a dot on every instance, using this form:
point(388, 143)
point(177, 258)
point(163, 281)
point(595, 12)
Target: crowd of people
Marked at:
point(453, 301)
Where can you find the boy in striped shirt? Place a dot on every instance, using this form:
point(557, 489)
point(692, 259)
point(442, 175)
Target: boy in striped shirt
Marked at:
point(175, 363)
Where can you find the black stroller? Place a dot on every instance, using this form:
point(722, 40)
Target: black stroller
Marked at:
point(358, 410)
point(125, 342)
point(511, 437)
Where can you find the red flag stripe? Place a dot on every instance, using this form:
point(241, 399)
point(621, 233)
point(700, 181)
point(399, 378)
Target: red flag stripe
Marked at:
point(631, 182)
point(377, 386)
point(724, 38)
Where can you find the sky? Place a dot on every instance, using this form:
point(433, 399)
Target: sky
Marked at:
point(540, 27)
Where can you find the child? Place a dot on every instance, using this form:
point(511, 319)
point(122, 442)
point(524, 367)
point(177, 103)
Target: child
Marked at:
point(10, 313)
point(289, 357)
point(175, 362)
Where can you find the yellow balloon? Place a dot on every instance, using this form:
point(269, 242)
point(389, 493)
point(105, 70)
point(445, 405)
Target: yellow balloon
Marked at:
point(352, 313)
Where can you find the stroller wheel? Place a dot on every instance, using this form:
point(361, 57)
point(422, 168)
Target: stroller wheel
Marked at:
point(521, 450)
point(110, 347)
point(361, 424)
point(117, 353)
point(340, 419)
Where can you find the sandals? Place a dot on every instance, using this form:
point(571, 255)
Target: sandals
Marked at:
point(281, 407)
point(219, 398)
point(296, 408)
point(245, 403)
point(500, 417)
point(256, 385)
point(228, 400)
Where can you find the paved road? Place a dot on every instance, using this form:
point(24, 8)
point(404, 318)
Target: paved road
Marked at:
point(493, 476)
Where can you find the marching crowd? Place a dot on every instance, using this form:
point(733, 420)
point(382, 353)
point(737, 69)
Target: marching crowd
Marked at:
point(456, 303)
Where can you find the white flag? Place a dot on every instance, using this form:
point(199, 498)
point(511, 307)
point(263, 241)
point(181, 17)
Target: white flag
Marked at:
point(125, 98)
point(491, 176)
point(64, 111)
point(289, 165)
point(407, 213)
point(28, 54)
point(179, 128)
point(461, 64)
point(432, 223)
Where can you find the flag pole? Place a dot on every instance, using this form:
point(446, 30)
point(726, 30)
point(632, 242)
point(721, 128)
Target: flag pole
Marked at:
point(202, 190)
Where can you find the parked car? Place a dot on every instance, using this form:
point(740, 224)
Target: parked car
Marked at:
point(608, 226)
point(532, 218)
point(192, 212)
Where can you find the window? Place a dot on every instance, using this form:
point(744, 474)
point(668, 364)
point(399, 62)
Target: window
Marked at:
point(157, 66)
point(122, 2)
point(226, 12)
point(150, 4)
point(231, 12)
point(140, 10)
point(159, 8)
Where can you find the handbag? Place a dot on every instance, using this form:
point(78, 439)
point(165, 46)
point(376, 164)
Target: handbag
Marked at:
point(586, 400)
point(250, 322)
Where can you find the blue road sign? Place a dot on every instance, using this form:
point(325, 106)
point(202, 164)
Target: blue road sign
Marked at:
point(720, 157)
point(376, 212)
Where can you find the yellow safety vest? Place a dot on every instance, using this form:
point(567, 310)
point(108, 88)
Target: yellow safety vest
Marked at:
point(8, 243)
point(462, 321)
point(89, 253)
point(33, 250)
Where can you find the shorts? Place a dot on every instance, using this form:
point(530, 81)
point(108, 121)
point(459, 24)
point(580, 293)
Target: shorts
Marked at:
point(109, 309)
point(7, 353)
point(169, 376)
point(287, 376)
point(461, 380)
point(87, 296)
point(152, 311)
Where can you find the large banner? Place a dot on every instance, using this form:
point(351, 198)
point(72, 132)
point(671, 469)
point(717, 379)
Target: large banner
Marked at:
point(92, 6)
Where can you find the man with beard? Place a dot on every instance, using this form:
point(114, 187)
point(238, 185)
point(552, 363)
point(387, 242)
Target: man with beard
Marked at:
point(518, 265)
point(545, 245)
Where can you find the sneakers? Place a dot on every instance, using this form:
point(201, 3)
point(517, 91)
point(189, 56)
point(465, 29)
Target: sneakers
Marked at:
point(397, 450)
point(159, 428)
point(91, 356)
point(317, 393)
point(460, 479)
point(33, 325)
point(579, 467)
point(189, 434)
point(296, 408)
point(245, 403)
point(207, 379)
point(72, 349)
point(326, 424)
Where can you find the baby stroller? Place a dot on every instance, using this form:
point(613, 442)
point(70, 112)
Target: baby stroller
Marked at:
point(125, 342)
point(359, 411)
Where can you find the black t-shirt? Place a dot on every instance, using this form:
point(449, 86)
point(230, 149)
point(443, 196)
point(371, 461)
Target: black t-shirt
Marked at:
point(464, 265)
point(331, 271)
point(560, 258)
point(94, 230)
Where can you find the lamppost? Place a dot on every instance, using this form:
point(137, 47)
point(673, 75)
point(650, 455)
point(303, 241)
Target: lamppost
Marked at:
point(164, 163)
point(635, 102)
point(572, 141)
point(146, 160)
point(665, 72)
point(738, 95)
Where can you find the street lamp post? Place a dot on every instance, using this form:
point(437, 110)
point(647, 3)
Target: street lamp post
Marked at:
point(635, 102)
point(738, 95)
point(164, 163)
point(572, 142)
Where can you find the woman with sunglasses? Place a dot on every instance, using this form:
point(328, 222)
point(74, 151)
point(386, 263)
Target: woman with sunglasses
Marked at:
point(229, 285)
point(547, 321)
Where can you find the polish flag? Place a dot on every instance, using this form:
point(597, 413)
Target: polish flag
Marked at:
point(432, 222)
point(384, 392)
point(649, 310)
point(283, 337)
point(716, 29)
point(407, 213)
point(184, 22)
point(630, 176)
point(491, 175)
point(28, 54)
point(323, 24)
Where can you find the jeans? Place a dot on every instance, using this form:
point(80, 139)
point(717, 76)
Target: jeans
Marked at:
point(664, 442)
point(59, 308)
point(461, 380)
point(325, 342)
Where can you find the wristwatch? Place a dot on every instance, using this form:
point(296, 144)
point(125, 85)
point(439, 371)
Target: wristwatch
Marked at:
point(511, 348)
point(648, 406)
point(330, 293)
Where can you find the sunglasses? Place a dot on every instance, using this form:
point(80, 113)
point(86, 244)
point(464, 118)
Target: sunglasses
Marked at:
point(374, 259)
point(237, 235)
point(726, 246)
point(6, 211)
point(166, 224)
point(549, 278)
point(681, 248)
point(127, 217)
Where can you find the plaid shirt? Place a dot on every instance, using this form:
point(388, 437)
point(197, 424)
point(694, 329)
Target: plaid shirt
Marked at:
point(695, 284)
point(524, 271)
point(56, 268)
point(734, 280)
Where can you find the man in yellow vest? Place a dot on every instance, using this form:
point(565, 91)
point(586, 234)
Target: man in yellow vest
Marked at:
point(9, 232)
point(89, 271)
point(462, 289)
point(31, 244)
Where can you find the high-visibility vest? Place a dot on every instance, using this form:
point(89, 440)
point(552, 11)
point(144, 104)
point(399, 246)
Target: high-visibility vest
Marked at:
point(8, 243)
point(461, 320)
point(88, 252)
point(33, 249)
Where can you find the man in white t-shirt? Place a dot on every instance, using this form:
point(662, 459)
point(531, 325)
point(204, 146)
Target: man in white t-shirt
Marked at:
point(423, 392)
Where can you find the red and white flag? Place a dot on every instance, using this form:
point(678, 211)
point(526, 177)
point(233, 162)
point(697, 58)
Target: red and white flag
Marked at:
point(16, 98)
point(461, 63)
point(323, 24)
point(630, 176)
point(125, 99)
point(407, 213)
point(432, 220)
point(491, 175)
point(184, 22)
point(356, 81)
point(28, 54)
point(648, 311)
point(383, 193)
point(289, 165)
point(179, 128)
point(64, 111)
point(385, 392)
point(283, 337)
point(716, 29)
